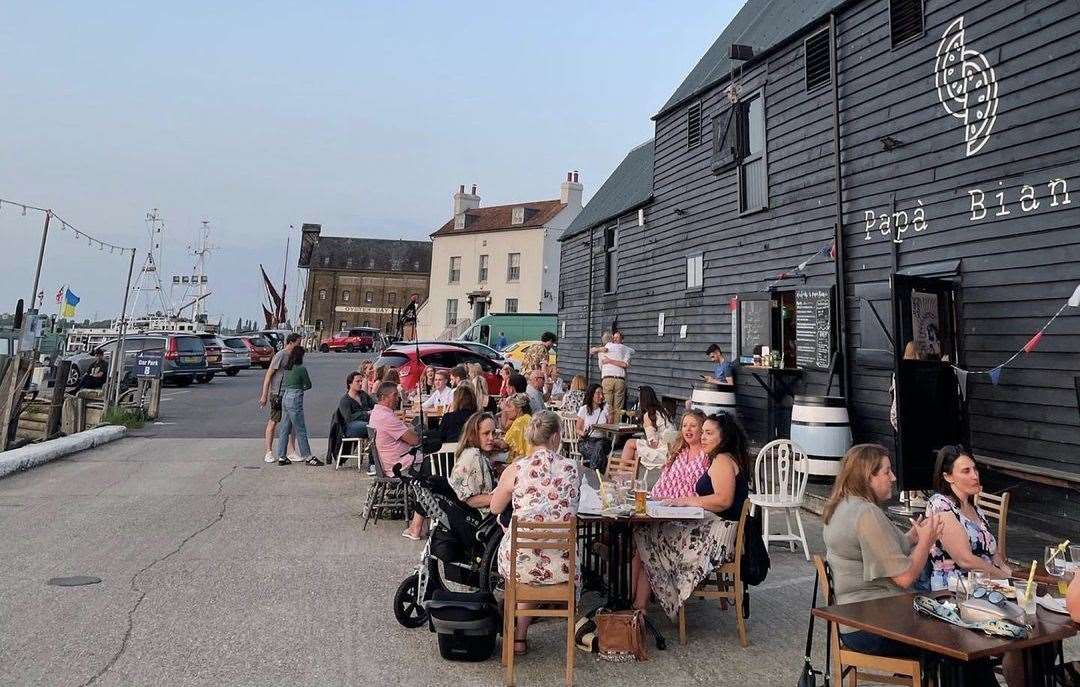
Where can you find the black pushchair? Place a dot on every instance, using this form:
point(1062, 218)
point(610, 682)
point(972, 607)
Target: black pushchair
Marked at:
point(461, 555)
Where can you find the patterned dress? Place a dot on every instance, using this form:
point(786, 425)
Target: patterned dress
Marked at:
point(982, 542)
point(471, 475)
point(546, 491)
point(533, 357)
point(647, 454)
point(679, 554)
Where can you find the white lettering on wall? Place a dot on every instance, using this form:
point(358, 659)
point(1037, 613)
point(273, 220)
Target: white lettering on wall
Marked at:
point(1055, 185)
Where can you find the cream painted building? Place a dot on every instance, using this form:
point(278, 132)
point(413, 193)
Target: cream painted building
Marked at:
point(499, 259)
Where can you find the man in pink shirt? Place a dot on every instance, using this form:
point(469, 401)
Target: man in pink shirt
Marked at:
point(395, 442)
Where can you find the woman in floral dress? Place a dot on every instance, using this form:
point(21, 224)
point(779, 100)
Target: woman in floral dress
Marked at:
point(471, 477)
point(541, 487)
point(675, 556)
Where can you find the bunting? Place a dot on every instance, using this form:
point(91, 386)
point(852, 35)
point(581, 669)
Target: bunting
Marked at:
point(797, 270)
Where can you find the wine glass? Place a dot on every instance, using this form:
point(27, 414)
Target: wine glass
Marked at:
point(1054, 561)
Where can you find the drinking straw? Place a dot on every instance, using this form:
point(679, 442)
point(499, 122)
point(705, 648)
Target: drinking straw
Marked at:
point(1059, 549)
point(603, 499)
point(1030, 583)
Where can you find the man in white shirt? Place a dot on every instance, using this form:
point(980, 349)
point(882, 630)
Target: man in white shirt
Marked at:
point(614, 362)
point(442, 394)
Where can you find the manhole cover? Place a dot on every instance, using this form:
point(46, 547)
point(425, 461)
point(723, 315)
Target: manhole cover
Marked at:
point(73, 581)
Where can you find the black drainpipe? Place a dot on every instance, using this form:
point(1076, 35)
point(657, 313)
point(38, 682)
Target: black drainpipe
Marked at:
point(841, 284)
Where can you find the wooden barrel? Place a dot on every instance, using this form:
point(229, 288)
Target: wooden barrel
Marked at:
point(719, 399)
point(819, 424)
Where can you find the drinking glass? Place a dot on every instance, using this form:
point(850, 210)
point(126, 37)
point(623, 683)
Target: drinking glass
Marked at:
point(1074, 554)
point(1028, 605)
point(1054, 561)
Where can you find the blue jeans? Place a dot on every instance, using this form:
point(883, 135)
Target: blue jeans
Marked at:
point(292, 419)
point(356, 429)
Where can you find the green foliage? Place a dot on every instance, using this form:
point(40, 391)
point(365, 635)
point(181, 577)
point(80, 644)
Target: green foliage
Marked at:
point(132, 418)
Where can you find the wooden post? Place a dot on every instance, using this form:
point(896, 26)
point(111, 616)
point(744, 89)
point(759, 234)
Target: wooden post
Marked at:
point(155, 399)
point(56, 408)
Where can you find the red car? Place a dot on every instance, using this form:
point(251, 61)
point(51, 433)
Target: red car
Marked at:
point(261, 350)
point(355, 339)
point(402, 357)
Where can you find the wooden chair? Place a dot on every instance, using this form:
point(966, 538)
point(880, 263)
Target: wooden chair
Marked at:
point(780, 475)
point(727, 580)
point(386, 493)
point(441, 462)
point(617, 466)
point(996, 508)
point(545, 536)
point(568, 430)
point(859, 667)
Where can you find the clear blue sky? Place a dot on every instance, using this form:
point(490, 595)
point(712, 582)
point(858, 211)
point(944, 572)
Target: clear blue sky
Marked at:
point(361, 116)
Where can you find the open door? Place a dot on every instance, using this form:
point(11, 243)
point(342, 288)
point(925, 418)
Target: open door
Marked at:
point(929, 410)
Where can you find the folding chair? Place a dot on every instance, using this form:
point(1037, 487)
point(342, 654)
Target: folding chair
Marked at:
point(547, 537)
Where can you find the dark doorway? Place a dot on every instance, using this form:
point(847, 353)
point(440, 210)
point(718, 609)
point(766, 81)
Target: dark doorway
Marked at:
point(929, 410)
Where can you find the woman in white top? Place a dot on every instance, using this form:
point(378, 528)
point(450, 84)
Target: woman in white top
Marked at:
point(593, 411)
point(659, 431)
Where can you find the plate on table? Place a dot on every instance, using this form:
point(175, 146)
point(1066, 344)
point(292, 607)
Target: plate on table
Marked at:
point(1051, 604)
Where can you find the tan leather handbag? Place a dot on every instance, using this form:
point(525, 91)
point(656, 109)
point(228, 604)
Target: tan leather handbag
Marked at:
point(621, 635)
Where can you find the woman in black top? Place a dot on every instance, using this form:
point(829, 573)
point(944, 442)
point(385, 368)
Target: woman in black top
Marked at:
point(462, 407)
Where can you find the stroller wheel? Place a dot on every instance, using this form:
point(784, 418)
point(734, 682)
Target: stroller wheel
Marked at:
point(408, 609)
point(490, 579)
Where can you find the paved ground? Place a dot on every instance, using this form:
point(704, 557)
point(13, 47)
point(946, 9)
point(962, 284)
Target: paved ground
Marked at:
point(220, 570)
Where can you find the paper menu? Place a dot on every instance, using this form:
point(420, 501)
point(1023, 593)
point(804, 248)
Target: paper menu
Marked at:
point(658, 510)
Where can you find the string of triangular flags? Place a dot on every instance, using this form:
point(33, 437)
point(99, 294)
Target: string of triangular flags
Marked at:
point(797, 270)
point(995, 372)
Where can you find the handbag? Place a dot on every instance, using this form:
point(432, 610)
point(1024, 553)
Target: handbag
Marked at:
point(755, 562)
point(594, 452)
point(621, 635)
point(808, 676)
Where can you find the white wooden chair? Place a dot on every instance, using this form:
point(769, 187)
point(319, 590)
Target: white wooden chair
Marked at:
point(568, 427)
point(780, 475)
point(351, 447)
point(441, 462)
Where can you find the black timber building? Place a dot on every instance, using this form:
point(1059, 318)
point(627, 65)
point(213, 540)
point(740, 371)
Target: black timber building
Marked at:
point(959, 185)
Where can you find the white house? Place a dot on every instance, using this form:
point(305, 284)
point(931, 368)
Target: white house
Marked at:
point(500, 259)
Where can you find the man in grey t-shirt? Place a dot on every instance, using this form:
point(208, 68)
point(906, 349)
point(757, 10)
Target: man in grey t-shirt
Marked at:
point(272, 395)
point(535, 392)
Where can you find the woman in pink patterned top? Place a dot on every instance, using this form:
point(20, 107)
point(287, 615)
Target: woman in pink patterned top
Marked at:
point(686, 464)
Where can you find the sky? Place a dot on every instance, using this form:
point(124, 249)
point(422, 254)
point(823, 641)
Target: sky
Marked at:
point(363, 117)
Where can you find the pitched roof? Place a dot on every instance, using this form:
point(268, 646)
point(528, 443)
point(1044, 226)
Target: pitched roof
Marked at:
point(761, 24)
point(628, 187)
point(383, 255)
point(499, 218)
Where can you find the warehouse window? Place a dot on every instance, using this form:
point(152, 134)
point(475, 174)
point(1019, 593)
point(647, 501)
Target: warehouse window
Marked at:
point(611, 259)
point(695, 272)
point(818, 67)
point(693, 125)
point(753, 172)
point(905, 20)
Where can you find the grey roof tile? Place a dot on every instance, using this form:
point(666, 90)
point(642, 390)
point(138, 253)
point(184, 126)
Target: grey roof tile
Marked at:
point(384, 255)
point(629, 186)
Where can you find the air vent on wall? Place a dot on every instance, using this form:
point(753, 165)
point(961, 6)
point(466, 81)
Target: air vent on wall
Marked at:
point(693, 125)
point(816, 55)
point(905, 20)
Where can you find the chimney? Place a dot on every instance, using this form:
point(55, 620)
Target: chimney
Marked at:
point(464, 201)
point(570, 190)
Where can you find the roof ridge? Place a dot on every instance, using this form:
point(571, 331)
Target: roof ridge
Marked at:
point(513, 205)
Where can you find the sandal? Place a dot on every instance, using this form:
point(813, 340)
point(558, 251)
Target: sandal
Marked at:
point(313, 461)
point(521, 643)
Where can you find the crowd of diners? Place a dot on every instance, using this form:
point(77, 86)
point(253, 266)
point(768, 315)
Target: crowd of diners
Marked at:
point(510, 444)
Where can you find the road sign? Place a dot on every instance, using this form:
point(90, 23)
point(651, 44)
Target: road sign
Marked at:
point(148, 364)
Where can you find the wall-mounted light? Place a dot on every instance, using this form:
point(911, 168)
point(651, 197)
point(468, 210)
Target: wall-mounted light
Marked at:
point(680, 212)
point(890, 143)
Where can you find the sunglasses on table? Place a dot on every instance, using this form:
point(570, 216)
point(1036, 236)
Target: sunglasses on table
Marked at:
point(992, 595)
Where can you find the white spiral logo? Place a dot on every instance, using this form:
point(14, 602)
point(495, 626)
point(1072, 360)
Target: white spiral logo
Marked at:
point(966, 86)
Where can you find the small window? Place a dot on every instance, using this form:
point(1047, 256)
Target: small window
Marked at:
point(345, 296)
point(348, 263)
point(818, 67)
point(753, 174)
point(517, 216)
point(455, 270)
point(369, 297)
point(611, 259)
point(322, 294)
point(905, 20)
point(513, 267)
point(344, 325)
point(326, 261)
point(367, 323)
point(391, 298)
point(318, 325)
point(695, 272)
point(451, 311)
point(562, 300)
point(371, 263)
point(482, 272)
point(693, 125)
point(511, 305)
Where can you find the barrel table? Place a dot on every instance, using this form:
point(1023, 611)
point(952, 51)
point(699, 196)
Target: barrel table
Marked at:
point(819, 424)
point(718, 399)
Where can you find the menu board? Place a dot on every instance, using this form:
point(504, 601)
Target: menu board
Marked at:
point(813, 327)
point(754, 325)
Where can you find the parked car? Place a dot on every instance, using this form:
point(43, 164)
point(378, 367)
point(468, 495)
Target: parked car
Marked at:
point(355, 339)
point(403, 358)
point(276, 337)
point(235, 356)
point(214, 358)
point(259, 348)
point(515, 353)
point(496, 357)
point(183, 357)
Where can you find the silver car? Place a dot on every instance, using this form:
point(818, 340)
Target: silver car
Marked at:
point(234, 355)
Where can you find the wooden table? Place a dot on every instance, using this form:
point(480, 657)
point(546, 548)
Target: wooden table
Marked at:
point(617, 431)
point(894, 617)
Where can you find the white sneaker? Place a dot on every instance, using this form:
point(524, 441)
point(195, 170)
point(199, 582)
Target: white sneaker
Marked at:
point(296, 458)
point(371, 470)
point(269, 457)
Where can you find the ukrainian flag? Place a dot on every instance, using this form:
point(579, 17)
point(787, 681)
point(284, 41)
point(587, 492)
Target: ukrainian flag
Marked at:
point(70, 301)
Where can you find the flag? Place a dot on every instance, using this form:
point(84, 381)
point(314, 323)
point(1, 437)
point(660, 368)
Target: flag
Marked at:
point(1074, 300)
point(70, 301)
point(1033, 342)
point(961, 381)
point(995, 375)
point(60, 295)
point(832, 250)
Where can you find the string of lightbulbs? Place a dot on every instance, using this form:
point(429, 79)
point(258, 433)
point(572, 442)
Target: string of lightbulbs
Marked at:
point(68, 226)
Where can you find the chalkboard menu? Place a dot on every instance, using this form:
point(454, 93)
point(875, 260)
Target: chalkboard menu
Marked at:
point(813, 327)
point(755, 324)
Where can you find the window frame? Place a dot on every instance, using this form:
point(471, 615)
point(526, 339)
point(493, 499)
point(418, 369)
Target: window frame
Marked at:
point(346, 296)
point(806, 61)
point(743, 112)
point(697, 139)
point(695, 264)
point(344, 326)
point(511, 275)
point(482, 268)
point(611, 258)
point(450, 301)
point(322, 294)
point(506, 306)
point(894, 44)
point(453, 275)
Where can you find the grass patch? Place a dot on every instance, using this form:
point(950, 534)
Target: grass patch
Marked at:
point(132, 418)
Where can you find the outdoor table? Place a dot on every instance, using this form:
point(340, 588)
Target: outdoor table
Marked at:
point(780, 384)
point(894, 617)
point(617, 432)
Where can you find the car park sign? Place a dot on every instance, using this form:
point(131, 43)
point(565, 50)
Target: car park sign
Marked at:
point(148, 365)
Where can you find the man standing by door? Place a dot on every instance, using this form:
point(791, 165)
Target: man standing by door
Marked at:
point(271, 394)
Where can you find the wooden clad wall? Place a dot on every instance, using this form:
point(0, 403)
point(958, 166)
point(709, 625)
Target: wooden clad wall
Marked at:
point(1017, 267)
point(741, 253)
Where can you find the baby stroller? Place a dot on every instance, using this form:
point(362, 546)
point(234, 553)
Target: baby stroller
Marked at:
point(461, 555)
